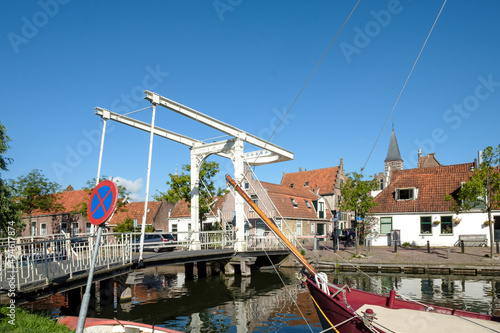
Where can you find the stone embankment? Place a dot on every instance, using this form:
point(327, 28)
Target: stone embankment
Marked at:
point(407, 260)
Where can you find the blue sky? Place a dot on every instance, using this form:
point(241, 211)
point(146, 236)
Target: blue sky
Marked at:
point(244, 62)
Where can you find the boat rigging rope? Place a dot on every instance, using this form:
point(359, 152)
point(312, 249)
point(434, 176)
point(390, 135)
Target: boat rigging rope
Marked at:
point(404, 85)
point(308, 79)
point(322, 282)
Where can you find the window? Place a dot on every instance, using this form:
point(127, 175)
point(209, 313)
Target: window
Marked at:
point(74, 229)
point(255, 200)
point(189, 226)
point(339, 199)
point(308, 204)
point(381, 184)
point(173, 230)
point(64, 227)
point(299, 228)
point(406, 193)
point(321, 212)
point(446, 225)
point(88, 226)
point(385, 225)
point(294, 202)
point(291, 185)
point(306, 184)
point(278, 224)
point(43, 229)
point(247, 185)
point(425, 225)
point(33, 228)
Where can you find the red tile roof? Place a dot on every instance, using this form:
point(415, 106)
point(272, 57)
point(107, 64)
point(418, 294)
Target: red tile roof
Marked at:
point(433, 184)
point(281, 197)
point(135, 210)
point(70, 201)
point(322, 179)
point(183, 209)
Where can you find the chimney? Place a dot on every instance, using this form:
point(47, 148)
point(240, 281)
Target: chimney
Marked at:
point(419, 153)
point(480, 157)
point(300, 169)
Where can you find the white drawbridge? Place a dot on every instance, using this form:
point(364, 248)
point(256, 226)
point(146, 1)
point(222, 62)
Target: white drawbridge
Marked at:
point(232, 149)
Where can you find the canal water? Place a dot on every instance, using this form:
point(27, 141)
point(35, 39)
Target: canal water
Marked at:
point(267, 301)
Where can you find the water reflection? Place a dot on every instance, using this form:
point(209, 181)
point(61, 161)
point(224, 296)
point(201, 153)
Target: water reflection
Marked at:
point(262, 303)
point(465, 293)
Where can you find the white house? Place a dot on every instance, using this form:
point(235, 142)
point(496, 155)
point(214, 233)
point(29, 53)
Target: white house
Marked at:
point(413, 202)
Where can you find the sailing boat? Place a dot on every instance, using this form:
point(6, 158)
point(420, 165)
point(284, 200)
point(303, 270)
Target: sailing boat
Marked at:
point(345, 310)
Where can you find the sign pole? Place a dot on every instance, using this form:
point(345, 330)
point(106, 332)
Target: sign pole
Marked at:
point(86, 296)
point(101, 206)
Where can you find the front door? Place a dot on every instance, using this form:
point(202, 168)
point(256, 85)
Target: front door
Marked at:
point(320, 229)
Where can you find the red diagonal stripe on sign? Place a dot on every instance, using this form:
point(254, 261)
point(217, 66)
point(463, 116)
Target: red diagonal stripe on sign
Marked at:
point(101, 202)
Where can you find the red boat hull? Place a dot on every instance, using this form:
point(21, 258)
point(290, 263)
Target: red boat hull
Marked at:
point(343, 307)
point(72, 322)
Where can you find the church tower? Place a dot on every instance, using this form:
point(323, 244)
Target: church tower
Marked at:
point(393, 161)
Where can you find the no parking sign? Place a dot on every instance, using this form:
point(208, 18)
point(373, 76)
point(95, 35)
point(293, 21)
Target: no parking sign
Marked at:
point(102, 202)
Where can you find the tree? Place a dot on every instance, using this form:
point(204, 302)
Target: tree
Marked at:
point(10, 216)
point(128, 226)
point(180, 187)
point(35, 192)
point(356, 197)
point(482, 190)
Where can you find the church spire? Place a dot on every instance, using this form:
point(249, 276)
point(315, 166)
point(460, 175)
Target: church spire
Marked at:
point(393, 153)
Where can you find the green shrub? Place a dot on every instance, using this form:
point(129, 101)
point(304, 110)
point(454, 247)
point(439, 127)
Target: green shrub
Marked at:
point(22, 321)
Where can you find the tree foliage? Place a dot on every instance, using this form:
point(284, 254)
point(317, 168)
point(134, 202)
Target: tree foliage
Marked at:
point(8, 210)
point(35, 192)
point(179, 187)
point(128, 226)
point(482, 190)
point(356, 197)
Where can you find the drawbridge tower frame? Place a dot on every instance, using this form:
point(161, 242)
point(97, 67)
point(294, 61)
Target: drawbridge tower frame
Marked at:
point(232, 149)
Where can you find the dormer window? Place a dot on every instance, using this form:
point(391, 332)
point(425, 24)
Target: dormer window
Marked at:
point(406, 193)
point(294, 203)
point(308, 204)
point(306, 184)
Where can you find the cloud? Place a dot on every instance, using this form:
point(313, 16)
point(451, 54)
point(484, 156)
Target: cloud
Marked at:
point(132, 186)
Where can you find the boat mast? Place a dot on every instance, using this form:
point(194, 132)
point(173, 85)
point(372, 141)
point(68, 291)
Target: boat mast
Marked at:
point(273, 227)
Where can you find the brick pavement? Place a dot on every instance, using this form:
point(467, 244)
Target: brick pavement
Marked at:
point(473, 256)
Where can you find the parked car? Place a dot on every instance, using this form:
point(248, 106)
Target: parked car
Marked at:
point(79, 241)
point(156, 242)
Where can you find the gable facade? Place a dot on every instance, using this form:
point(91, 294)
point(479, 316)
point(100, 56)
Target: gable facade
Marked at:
point(298, 212)
point(324, 182)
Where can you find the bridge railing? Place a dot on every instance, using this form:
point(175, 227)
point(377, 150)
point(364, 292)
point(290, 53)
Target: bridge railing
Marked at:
point(265, 241)
point(24, 262)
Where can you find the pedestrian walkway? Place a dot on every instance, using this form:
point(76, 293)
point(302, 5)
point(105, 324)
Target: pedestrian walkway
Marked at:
point(405, 256)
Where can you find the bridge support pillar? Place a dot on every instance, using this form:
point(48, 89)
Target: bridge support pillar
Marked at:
point(229, 269)
point(245, 266)
point(214, 268)
point(189, 270)
point(202, 269)
point(106, 292)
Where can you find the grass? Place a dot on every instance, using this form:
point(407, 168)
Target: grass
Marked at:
point(25, 321)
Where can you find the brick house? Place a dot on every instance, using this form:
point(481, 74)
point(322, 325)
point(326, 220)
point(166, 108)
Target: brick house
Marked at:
point(324, 182)
point(297, 211)
point(413, 202)
point(65, 220)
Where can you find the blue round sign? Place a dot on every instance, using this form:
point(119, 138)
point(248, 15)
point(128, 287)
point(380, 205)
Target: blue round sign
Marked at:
point(102, 202)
